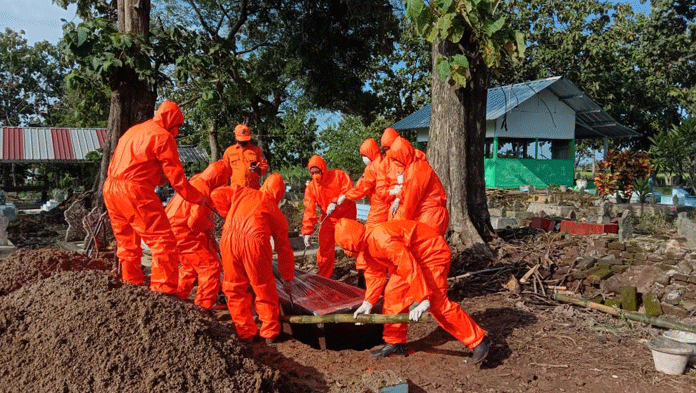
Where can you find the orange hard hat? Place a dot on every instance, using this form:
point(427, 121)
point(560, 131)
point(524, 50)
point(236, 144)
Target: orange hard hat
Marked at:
point(242, 133)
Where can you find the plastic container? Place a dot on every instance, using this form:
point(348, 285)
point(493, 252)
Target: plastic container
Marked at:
point(670, 356)
point(683, 337)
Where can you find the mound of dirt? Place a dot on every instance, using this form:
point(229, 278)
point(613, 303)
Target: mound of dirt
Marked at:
point(83, 330)
point(27, 266)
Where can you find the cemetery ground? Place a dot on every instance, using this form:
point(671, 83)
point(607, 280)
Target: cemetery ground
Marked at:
point(68, 324)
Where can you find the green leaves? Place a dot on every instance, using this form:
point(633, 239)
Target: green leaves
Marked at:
point(471, 21)
point(492, 28)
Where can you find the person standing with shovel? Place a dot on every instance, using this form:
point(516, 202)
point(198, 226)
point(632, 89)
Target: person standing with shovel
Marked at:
point(324, 189)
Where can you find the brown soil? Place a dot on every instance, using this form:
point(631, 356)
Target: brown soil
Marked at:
point(83, 331)
point(64, 328)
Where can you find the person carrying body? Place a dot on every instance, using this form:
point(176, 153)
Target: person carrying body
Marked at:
point(194, 228)
point(323, 190)
point(366, 186)
point(245, 159)
point(146, 155)
point(421, 257)
point(419, 193)
point(251, 218)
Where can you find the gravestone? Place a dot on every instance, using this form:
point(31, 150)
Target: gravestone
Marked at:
point(687, 229)
point(4, 222)
point(626, 225)
point(604, 213)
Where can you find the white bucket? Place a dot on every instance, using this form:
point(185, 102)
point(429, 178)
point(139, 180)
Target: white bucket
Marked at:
point(683, 337)
point(670, 356)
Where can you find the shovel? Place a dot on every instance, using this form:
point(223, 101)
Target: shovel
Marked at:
point(312, 235)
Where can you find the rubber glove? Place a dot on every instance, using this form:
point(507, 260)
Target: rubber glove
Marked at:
point(340, 200)
point(364, 308)
point(416, 313)
point(395, 206)
point(307, 240)
point(400, 178)
point(331, 208)
point(395, 190)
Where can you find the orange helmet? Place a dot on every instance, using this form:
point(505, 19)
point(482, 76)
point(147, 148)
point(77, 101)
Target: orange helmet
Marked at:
point(242, 133)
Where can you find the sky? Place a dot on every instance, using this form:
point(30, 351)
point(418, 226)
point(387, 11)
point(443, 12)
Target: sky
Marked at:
point(41, 19)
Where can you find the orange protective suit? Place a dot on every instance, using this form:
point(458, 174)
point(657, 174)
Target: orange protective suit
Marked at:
point(323, 192)
point(419, 256)
point(367, 185)
point(422, 197)
point(145, 153)
point(241, 157)
point(252, 217)
point(194, 228)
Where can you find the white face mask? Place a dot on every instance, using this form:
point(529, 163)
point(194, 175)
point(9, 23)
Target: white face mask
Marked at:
point(366, 160)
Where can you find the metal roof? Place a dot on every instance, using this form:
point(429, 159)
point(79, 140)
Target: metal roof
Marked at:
point(591, 121)
point(64, 145)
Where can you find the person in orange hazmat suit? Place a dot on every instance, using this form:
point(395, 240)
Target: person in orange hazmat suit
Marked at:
point(389, 173)
point(194, 228)
point(245, 159)
point(366, 186)
point(324, 189)
point(144, 155)
point(251, 218)
point(419, 193)
point(420, 256)
point(391, 180)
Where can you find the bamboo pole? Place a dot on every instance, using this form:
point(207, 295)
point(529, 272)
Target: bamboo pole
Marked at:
point(636, 316)
point(348, 318)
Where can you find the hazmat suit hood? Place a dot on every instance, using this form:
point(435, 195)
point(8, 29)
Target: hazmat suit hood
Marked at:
point(350, 235)
point(169, 117)
point(370, 149)
point(402, 151)
point(274, 187)
point(318, 162)
point(388, 137)
point(215, 175)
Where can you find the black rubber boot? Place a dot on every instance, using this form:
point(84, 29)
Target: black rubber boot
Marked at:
point(481, 350)
point(389, 350)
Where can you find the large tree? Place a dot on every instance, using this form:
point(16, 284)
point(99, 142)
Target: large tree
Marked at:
point(469, 40)
point(120, 57)
point(246, 61)
point(638, 67)
point(31, 81)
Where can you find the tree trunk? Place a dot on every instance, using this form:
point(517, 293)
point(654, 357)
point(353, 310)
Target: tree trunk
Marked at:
point(456, 150)
point(213, 142)
point(132, 100)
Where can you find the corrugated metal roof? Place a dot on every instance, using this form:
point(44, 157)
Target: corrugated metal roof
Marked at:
point(192, 154)
point(591, 120)
point(34, 144)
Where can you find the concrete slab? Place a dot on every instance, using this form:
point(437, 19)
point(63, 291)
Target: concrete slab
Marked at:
point(549, 209)
point(6, 250)
point(505, 222)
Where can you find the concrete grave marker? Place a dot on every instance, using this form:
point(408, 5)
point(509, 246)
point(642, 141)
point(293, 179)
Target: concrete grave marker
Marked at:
point(687, 229)
point(4, 222)
point(626, 225)
point(604, 213)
